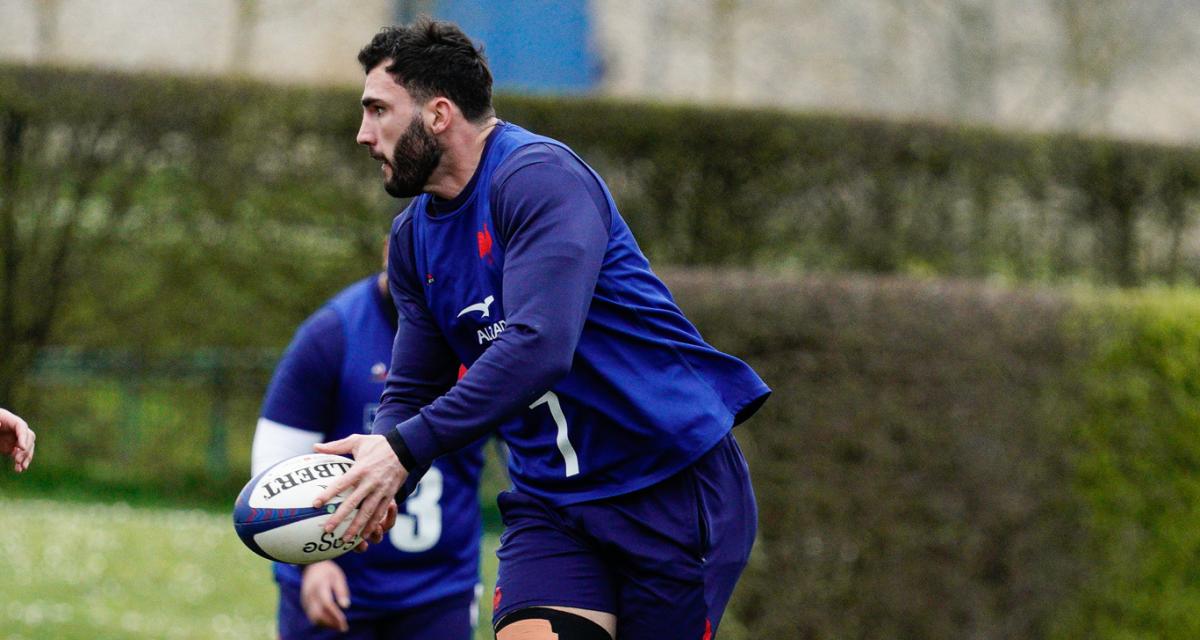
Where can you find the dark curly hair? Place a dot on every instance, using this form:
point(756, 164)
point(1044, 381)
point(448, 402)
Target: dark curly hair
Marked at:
point(434, 58)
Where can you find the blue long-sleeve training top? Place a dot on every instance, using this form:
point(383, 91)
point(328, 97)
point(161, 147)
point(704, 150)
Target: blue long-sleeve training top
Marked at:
point(576, 352)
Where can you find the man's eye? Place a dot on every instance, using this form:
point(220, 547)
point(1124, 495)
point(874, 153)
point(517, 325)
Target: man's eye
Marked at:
point(378, 111)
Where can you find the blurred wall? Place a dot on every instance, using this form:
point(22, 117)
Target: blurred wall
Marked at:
point(1098, 66)
point(306, 40)
point(1113, 67)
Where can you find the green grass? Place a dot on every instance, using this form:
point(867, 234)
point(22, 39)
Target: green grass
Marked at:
point(101, 571)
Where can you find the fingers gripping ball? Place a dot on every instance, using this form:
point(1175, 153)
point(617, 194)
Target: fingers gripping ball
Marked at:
point(274, 515)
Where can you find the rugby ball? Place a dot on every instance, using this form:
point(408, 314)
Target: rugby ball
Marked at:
point(275, 518)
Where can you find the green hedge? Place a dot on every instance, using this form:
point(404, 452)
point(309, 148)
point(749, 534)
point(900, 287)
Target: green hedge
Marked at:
point(940, 459)
point(911, 467)
point(1137, 468)
point(168, 212)
point(953, 459)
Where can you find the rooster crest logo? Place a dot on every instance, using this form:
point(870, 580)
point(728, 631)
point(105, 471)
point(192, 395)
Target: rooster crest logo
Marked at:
point(485, 243)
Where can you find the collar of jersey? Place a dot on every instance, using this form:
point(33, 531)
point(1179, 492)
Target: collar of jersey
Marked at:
point(436, 209)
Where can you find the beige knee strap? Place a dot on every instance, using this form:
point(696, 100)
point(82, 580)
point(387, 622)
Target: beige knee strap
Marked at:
point(528, 630)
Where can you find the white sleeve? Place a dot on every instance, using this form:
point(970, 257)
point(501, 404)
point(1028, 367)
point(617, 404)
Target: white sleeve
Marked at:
point(274, 442)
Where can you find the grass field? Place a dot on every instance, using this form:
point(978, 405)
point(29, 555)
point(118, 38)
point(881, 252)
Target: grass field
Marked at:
point(73, 570)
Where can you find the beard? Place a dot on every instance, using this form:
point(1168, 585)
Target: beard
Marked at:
point(414, 158)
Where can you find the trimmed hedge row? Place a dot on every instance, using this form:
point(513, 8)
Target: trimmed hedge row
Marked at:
point(953, 459)
point(912, 466)
point(166, 212)
point(1136, 468)
point(699, 185)
point(940, 459)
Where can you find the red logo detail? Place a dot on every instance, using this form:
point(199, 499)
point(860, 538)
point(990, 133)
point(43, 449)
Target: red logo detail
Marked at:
point(485, 242)
point(462, 371)
point(496, 599)
point(707, 629)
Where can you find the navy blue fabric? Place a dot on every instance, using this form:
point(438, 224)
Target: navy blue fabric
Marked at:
point(329, 381)
point(532, 278)
point(664, 560)
point(446, 619)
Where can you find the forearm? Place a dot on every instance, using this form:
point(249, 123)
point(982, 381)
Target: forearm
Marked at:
point(274, 442)
point(510, 375)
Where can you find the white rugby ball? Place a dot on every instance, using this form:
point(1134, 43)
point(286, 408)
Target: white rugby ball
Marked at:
point(274, 515)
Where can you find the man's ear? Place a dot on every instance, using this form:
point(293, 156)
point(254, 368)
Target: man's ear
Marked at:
point(441, 112)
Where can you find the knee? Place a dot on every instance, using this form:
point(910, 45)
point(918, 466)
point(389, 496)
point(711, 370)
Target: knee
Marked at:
point(540, 623)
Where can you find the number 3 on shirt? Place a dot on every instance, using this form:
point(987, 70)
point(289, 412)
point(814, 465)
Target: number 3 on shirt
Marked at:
point(564, 443)
point(421, 527)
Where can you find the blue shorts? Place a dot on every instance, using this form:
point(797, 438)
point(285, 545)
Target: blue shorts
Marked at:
point(451, 618)
point(664, 559)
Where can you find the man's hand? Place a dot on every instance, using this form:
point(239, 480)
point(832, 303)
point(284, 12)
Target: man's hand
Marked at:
point(375, 478)
point(16, 440)
point(324, 593)
point(374, 532)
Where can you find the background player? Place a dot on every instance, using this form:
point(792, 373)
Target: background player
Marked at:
point(632, 508)
point(16, 440)
point(421, 582)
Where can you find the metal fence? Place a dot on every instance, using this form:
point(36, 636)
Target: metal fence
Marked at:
point(164, 423)
point(177, 427)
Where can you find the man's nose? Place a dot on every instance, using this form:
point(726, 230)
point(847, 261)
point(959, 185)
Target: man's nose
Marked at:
point(365, 136)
